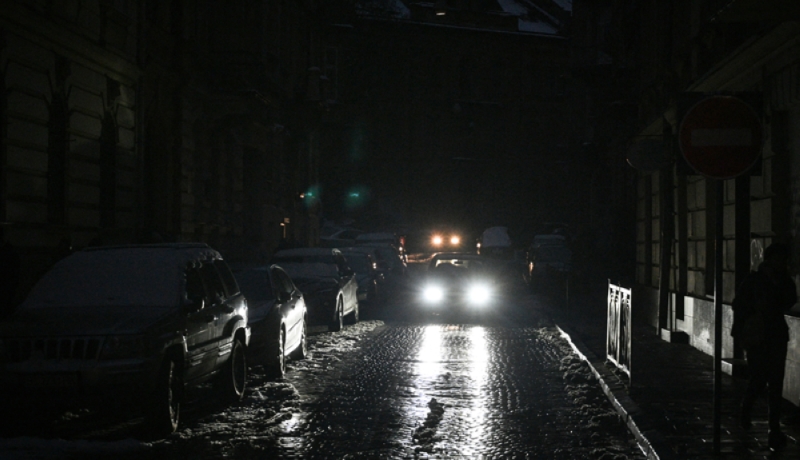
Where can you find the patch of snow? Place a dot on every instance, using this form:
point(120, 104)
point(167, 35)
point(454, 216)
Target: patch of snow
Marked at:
point(310, 270)
point(512, 7)
point(393, 8)
point(565, 5)
point(526, 25)
point(130, 276)
point(495, 237)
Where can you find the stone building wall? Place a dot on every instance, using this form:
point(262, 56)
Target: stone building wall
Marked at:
point(69, 160)
point(135, 121)
point(752, 56)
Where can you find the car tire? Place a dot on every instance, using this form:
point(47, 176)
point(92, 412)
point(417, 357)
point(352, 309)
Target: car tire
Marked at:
point(277, 367)
point(301, 352)
point(164, 407)
point(233, 376)
point(338, 321)
point(352, 318)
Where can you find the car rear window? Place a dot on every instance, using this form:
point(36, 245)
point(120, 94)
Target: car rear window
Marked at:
point(255, 285)
point(142, 277)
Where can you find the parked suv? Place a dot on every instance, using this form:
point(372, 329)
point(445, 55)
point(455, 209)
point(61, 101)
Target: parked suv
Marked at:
point(132, 324)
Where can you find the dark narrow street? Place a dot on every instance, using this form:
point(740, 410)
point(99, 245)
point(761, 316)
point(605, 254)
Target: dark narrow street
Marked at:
point(406, 229)
point(404, 386)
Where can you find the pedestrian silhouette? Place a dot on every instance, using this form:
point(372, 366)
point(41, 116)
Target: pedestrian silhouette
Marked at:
point(10, 266)
point(759, 326)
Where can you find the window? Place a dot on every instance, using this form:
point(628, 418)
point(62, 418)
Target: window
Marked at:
point(108, 173)
point(231, 286)
point(284, 284)
point(57, 148)
point(330, 74)
point(215, 289)
point(194, 285)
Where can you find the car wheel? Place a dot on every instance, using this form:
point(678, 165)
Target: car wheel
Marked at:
point(233, 376)
point(338, 321)
point(302, 348)
point(352, 318)
point(164, 407)
point(277, 369)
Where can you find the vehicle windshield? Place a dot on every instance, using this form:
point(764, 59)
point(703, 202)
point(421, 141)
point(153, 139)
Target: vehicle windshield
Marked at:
point(134, 277)
point(255, 285)
point(458, 264)
point(389, 255)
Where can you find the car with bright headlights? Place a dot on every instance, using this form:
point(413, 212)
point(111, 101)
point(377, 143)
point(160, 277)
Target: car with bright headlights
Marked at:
point(277, 317)
point(328, 283)
point(135, 325)
point(446, 241)
point(458, 282)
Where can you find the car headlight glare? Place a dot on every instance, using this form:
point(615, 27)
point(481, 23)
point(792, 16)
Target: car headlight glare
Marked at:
point(455, 240)
point(433, 294)
point(437, 240)
point(479, 294)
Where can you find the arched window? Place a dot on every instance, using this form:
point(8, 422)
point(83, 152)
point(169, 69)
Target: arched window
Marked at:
point(108, 171)
point(57, 149)
point(3, 150)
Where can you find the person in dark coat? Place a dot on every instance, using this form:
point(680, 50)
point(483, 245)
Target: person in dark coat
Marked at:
point(760, 326)
point(10, 266)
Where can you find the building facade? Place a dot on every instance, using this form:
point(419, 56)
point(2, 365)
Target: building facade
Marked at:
point(690, 50)
point(140, 120)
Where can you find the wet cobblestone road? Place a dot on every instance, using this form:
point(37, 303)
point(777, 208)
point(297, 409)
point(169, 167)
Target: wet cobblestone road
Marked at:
point(503, 387)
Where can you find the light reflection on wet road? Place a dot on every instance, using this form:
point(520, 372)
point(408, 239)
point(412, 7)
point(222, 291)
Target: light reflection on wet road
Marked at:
point(449, 390)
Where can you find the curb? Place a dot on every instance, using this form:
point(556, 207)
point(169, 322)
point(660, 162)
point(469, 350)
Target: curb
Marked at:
point(652, 442)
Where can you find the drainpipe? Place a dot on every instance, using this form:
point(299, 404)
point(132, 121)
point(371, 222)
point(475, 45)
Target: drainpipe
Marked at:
point(667, 209)
point(141, 48)
point(667, 221)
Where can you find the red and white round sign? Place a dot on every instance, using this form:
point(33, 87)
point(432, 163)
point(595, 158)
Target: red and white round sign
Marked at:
point(721, 137)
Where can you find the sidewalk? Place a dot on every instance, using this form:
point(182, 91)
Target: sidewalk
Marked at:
point(669, 405)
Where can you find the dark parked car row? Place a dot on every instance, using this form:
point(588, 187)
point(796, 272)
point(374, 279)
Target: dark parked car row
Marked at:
point(131, 324)
point(142, 324)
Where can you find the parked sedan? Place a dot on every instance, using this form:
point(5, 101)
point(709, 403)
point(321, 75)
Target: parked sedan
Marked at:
point(548, 262)
point(369, 277)
point(390, 260)
point(459, 282)
point(277, 317)
point(328, 284)
point(135, 325)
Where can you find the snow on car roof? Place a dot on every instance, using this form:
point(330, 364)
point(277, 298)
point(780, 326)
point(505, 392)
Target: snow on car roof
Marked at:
point(147, 275)
point(304, 252)
point(495, 236)
point(376, 237)
point(310, 270)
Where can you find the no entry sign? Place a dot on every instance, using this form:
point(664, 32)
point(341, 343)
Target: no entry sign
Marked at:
point(721, 137)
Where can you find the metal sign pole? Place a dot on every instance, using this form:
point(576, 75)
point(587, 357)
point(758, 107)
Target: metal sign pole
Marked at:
point(720, 137)
point(718, 242)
